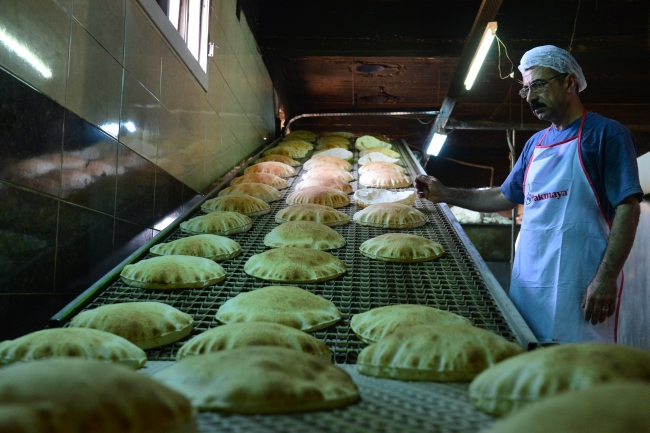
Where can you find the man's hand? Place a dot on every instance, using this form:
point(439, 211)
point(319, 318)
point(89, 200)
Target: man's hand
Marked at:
point(599, 301)
point(430, 188)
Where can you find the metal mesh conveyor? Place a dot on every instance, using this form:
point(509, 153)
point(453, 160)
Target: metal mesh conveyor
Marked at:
point(453, 282)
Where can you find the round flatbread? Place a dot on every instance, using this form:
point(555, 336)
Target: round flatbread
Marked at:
point(287, 305)
point(279, 158)
point(347, 135)
point(304, 234)
point(368, 141)
point(243, 204)
point(331, 171)
point(211, 247)
point(322, 195)
point(72, 343)
point(333, 139)
point(385, 179)
point(312, 212)
point(328, 181)
point(258, 190)
point(374, 325)
point(294, 265)
point(222, 223)
point(301, 134)
point(338, 153)
point(333, 145)
point(173, 272)
point(377, 157)
point(319, 161)
point(366, 197)
point(297, 144)
point(612, 408)
point(145, 324)
point(245, 334)
point(261, 379)
point(401, 248)
point(381, 166)
point(438, 353)
point(542, 373)
point(265, 178)
point(384, 150)
point(74, 395)
point(291, 152)
point(391, 216)
point(278, 169)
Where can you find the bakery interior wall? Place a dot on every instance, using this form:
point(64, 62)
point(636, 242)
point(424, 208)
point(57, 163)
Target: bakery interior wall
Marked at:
point(108, 140)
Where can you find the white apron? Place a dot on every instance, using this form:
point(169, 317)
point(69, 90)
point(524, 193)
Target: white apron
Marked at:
point(562, 241)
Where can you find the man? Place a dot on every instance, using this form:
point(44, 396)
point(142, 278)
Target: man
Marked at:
point(579, 184)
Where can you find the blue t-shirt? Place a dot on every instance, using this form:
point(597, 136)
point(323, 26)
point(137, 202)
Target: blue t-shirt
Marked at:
point(609, 155)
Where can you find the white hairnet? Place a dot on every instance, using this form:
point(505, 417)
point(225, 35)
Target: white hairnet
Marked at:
point(556, 58)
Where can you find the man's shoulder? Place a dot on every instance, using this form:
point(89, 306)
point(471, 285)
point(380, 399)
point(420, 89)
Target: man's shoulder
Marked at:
point(607, 126)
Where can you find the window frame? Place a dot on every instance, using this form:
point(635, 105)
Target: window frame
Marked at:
point(175, 40)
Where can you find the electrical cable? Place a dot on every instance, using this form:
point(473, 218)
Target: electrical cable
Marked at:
point(575, 23)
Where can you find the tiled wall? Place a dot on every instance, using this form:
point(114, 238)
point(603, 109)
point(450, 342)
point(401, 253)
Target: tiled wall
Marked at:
point(105, 137)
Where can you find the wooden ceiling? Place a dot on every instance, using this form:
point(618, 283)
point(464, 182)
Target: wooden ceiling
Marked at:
point(342, 56)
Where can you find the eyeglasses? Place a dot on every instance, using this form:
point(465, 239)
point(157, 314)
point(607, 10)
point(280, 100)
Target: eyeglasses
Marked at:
point(538, 86)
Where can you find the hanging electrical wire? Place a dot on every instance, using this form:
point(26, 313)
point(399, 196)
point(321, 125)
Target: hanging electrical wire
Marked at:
point(575, 23)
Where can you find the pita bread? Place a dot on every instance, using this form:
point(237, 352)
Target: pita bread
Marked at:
point(336, 152)
point(243, 204)
point(290, 152)
point(279, 158)
point(374, 325)
point(301, 134)
point(258, 190)
point(333, 139)
point(297, 144)
point(384, 150)
point(75, 395)
point(438, 353)
point(329, 181)
point(381, 166)
point(317, 161)
point(312, 212)
point(228, 337)
point(330, 171)
point(322, 195)
point(347, 135)
point(294, 265)
point(287, 305)
point(366, 197)
point(145, 324)
point(613, 408)
point(304, 234)
point(390, 216)
point(261, 379)
point(546, 372)
point(222, 223)
point(401, 248)
point(377, 157)
point(72, 343)
point(368, 141)
point(211, 247)
point(332, 145)
point(265, 178)
point(385, 179)
point(173, 272)
point(271, 167)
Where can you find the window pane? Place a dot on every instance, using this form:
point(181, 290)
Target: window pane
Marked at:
point(194, 27)
point(174, 12)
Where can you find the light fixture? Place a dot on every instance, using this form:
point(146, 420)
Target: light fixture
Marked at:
point(486, 40)
point(436, 143)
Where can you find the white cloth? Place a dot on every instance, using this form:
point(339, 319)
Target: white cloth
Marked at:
point(562, 241)
point(556, 58)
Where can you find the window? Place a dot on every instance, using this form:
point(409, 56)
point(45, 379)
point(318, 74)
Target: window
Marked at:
point(185, 24)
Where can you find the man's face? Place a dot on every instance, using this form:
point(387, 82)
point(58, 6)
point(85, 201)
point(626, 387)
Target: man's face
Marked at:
point(551, 102)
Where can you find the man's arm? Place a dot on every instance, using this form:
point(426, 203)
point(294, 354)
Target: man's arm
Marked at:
point(480, 200)
point(602, 291)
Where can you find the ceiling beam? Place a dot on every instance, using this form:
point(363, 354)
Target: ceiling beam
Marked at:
point(486, 13)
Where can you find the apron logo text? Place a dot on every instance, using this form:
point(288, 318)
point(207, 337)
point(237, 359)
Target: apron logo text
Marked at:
point(530, 198)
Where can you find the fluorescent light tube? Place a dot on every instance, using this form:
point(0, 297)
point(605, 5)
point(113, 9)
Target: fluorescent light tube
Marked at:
point(483, 48)
point(436, 144)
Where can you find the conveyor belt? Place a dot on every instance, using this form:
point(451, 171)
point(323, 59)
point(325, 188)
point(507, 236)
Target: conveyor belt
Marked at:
point(451, 283)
